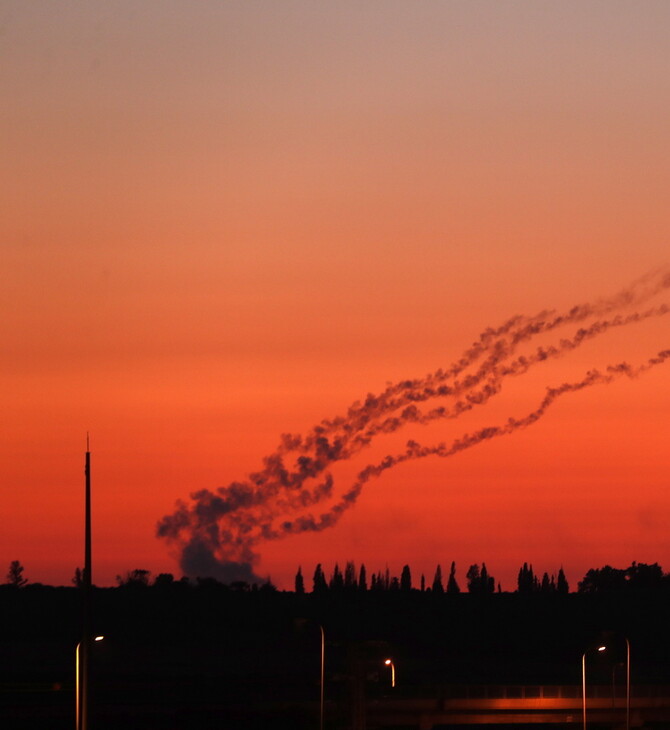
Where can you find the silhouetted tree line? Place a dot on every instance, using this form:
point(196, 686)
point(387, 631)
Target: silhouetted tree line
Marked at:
point(528, 582)
point(141, 579)
point(637, 577)
point(478, 580)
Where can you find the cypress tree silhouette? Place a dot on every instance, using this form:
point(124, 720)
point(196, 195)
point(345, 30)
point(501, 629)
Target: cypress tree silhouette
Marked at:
point(299, 582)
point(319, 582)
point(437, 581)
point(350, 576)
point(337, 579)
point(527, 582)
point(362, 579)
point(452, 585)
point(562, 584)
point(406, 579)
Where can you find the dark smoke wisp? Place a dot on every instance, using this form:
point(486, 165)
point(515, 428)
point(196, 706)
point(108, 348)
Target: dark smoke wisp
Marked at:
point(415, 451)
point(217, 533)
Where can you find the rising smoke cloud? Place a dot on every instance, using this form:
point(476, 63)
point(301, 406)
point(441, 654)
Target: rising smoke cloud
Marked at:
point(218, 532)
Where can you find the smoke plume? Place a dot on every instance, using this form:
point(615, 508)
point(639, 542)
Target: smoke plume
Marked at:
point(217, 533)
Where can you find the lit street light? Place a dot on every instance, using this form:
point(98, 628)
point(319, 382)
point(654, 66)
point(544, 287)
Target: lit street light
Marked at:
point(600, 648)
point(389, 663)
point(604, 648)
point(77, 684)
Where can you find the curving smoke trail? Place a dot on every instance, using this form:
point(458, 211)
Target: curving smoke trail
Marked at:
point(217, 532)
point(415, 451)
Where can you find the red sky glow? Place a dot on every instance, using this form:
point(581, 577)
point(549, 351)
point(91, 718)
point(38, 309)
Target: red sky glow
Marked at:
point(224, 222)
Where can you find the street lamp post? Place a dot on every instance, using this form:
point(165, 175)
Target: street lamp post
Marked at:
point(627, 684)
point(86, 584)
point(604, 648)
point(600, 648)
point(389, 663)
point(77, 684)
point(299, 623)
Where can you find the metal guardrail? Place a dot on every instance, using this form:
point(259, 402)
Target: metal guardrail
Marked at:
point(526, 705)
point(549, 691)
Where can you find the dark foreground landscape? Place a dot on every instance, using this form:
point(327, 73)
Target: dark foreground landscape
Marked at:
point(211, 656)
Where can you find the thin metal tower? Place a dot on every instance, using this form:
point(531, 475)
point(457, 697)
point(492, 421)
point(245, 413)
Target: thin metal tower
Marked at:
point(82, 714)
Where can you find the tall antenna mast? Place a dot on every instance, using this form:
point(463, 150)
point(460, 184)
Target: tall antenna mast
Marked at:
point(86, 599)
point(87, 536)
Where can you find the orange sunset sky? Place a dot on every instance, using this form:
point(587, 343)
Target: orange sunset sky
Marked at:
point(225, 221)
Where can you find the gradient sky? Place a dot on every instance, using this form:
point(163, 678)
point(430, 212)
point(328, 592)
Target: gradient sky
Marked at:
point(223, 221)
